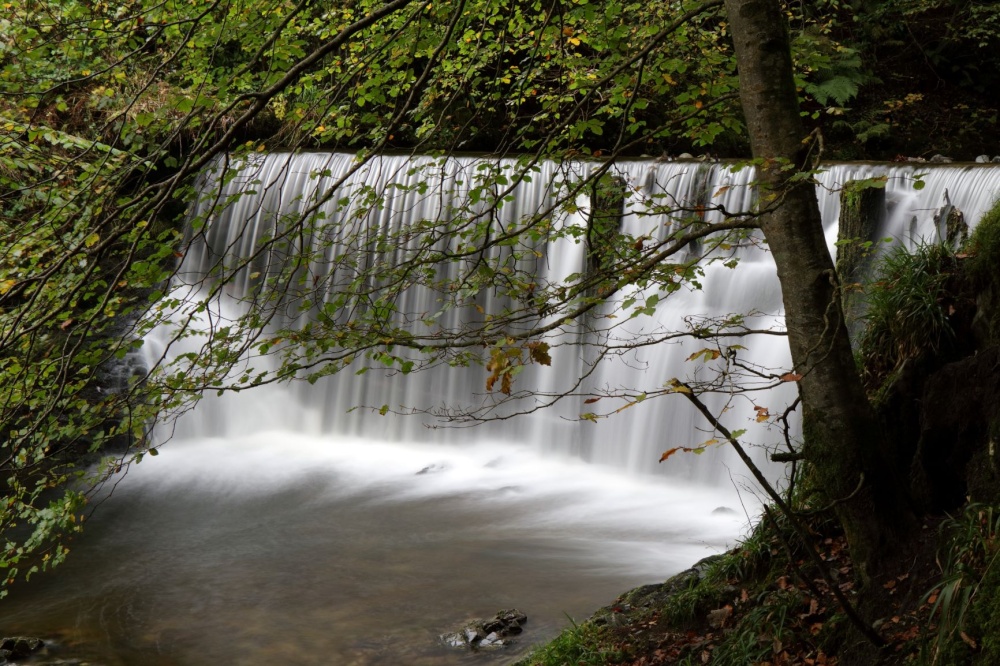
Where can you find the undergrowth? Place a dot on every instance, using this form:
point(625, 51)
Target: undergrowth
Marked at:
point(582, 644)
point(965, 604)
point(905, 317)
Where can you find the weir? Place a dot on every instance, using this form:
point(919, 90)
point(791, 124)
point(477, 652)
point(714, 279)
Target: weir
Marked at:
point(277, 526)
point(334, 190)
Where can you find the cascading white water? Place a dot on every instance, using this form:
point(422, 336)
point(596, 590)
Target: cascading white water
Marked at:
point(425, 189)
point(279, 527)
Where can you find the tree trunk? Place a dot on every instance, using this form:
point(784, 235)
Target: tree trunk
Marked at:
point(841, 436)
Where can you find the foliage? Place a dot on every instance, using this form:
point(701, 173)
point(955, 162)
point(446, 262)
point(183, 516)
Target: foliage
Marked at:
point(963, 602)
point(905, 317)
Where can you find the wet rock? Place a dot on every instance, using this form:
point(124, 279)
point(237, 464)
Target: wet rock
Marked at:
point(982, 159)
point(19, 647)
point(685, 156)
point(724, 511)
point(940, 159)
point(487, 634)
point(950, 224)
point(431, 469)
point(506, 622)
point(472, 634)
point(996, 158)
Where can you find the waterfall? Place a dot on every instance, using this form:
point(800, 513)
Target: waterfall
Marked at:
point(335, 190)
point(279, 526)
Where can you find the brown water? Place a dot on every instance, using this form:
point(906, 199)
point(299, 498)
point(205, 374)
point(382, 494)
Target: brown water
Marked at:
point(296, 556)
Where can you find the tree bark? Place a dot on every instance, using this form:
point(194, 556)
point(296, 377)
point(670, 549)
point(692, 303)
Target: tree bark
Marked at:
point(841, 437)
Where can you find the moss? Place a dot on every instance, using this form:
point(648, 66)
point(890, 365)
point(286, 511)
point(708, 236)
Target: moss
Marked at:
point(983, 248)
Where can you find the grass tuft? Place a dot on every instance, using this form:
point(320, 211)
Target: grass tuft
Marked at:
point(905, 318)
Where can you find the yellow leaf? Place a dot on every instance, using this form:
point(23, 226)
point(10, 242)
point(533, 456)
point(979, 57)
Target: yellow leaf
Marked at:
point(6, 286)
point(92, 240)
point(698, 104)
point(676, 385)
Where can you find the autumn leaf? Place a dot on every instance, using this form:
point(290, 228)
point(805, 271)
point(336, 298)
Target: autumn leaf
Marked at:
point(762, 414)
point(697, 450)
point(708, 354)
point(590, 401)
point(790, 377)
point(539, 352)
point(670, 452)
point(505, 383)
point(678, 387)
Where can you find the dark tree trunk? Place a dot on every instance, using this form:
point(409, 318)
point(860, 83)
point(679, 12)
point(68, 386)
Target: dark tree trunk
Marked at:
point(841, 437)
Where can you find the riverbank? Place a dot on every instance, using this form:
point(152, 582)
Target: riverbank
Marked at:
point(765, 602)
